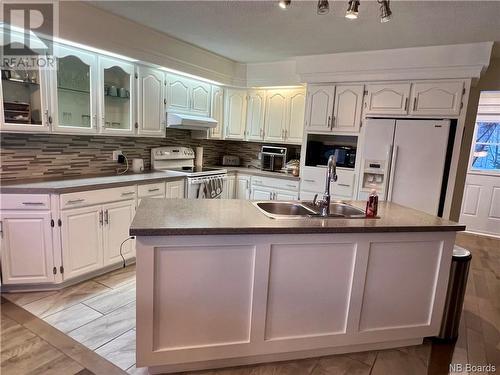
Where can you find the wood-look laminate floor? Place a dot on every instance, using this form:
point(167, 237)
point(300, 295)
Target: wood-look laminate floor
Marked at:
point(100, 315)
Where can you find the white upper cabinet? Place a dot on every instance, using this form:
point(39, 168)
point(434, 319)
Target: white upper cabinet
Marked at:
point(24, 105)
point(442, 98)
point(116, 96)
point(319, 107)
point(200, 98)
point(177, 93)
point(387, 99)
point(347, 108)
point(217, 112)
point(151, 102)
point(188, 95)
point(275, 119)
point(255, 115)
point(74, 91)
point(295, 116)
point(235, 114)
point(26, 247)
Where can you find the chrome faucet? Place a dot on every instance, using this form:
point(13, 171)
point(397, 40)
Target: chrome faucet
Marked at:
point(331, 175)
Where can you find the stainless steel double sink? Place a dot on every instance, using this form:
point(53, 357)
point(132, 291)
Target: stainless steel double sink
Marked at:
point(305, 209)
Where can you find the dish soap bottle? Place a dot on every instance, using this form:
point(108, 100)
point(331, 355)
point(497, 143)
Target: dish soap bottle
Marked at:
point(372, 204)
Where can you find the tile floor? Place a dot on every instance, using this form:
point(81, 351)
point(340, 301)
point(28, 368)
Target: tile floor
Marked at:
point(100, 314)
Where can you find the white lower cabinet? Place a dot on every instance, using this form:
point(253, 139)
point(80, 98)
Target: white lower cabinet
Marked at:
point(262, 193)
point(242, 190)
point(269, 188)
point(26, 243)
point(117, 219)
point(175, 189)
point(313, 182)
point(284, 195)
point(229, 188)
point(91, 237)
point(81, 240)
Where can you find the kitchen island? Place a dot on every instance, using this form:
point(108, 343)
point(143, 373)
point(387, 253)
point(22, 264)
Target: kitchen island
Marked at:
point(221, 284)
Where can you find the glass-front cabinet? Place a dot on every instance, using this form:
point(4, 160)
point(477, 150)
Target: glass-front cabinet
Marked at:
point(116, 92)
point(74, 104)
point(24, 104)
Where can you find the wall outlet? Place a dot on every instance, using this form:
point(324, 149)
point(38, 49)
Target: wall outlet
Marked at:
point(116, 153)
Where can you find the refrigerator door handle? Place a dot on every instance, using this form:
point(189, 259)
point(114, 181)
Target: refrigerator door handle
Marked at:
point(392, 172)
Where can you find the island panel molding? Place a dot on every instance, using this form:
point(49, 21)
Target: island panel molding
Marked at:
point(336, 283)
point(219, 280)
point(309, 273)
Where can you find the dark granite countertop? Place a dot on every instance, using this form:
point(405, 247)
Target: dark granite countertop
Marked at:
point(70, 185)
point(163, 217)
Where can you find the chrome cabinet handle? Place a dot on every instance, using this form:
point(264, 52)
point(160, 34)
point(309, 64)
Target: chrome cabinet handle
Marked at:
point(333, 122)
point(307, 180)
point(345, 185)
point(406, 104)
point(100, 218)
point(329, 121)
point(127, 193)
point(33, 203)
point(74, 201)
point(151, 190)
point(415, 104)
point(106, 217)
point(290, 185)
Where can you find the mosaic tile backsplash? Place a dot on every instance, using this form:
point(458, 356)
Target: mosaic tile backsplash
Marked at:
point(27, 156)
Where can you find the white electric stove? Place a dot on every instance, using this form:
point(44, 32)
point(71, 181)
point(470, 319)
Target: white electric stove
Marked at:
point(181, 160)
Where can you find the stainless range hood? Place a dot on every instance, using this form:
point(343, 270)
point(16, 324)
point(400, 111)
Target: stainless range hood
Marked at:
point(190, 122)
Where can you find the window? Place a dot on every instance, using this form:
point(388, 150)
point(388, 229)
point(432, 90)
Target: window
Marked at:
point(486, 151)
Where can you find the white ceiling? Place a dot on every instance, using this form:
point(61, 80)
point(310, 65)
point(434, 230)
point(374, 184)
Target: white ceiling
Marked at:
point(255, 31)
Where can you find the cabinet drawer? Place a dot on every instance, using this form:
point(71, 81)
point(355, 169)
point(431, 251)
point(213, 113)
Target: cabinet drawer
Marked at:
point(344, 186)
point(313, 179)
point(87, 198)
point(25, 201)
point(275, 183)
point(150, 190)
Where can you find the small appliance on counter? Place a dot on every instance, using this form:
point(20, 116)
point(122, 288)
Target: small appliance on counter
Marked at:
point(292, 167)
point(272, 158)
point(137, 165)
point(199, 157)
point(231, 160)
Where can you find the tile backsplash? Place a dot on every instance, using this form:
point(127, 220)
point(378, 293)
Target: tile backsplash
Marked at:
point(26, 156)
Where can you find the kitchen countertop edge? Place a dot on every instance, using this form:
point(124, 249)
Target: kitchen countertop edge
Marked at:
point(24, 188)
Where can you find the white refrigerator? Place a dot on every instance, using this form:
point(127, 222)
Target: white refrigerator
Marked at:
point(404, 160)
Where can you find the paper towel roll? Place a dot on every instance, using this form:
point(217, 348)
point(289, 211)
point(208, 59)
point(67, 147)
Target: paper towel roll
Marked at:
point(199, 157)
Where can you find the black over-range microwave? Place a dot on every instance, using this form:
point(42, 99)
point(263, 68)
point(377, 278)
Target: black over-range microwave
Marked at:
point(317, 153)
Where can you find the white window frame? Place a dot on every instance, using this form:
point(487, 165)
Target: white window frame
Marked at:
point(481, 118)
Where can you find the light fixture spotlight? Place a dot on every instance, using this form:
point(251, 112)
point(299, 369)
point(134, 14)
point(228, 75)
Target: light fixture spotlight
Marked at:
point(385, 11)
point(323, 7)
point(284, 4)
point(352, 10)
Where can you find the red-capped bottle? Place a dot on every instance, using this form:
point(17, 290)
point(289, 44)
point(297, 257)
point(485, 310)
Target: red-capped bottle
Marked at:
point(372, 204)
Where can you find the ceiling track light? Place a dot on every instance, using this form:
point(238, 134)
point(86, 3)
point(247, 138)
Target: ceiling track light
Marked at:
point(284, 4)
point(323, 7)
point(385, 11)
point(352, 10)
